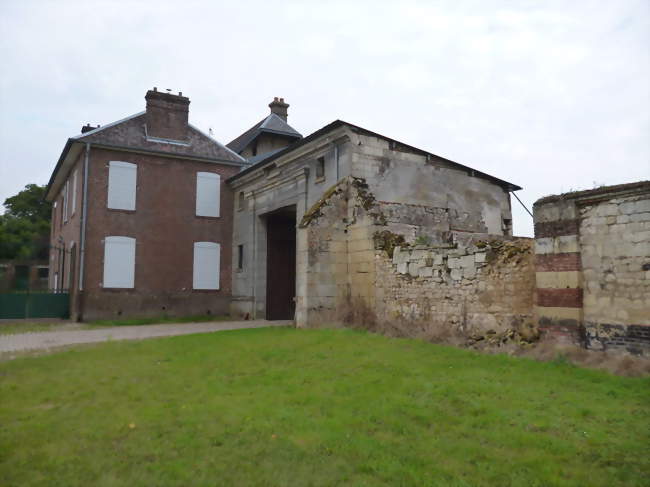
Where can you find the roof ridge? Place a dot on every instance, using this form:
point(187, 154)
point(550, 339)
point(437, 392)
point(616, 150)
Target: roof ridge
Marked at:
point(216, 141)
point(108, 125)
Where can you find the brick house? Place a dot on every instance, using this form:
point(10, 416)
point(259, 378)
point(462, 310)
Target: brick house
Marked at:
point(142, 217)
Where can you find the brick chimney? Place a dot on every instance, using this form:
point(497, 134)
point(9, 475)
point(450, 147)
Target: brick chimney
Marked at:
point(88, 128)
point(167, 115)
point(279, 107)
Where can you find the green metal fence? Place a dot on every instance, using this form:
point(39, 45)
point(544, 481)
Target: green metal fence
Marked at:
point(34, 305)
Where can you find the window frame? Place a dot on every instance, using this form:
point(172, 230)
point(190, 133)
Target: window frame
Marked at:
point(199, 267)
point(319, 173)
point(115, 199)
point(129, 282)
point(203, 208)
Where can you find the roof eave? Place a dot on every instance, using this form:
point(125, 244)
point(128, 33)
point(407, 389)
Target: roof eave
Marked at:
point(64, 154)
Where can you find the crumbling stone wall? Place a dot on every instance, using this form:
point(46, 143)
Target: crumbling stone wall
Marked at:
point(482, 289)
point(365, 268)
point(593, 267)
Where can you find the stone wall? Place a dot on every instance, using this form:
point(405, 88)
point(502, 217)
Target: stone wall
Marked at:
point(593, 267)
point(484, 288)
point(365, 267)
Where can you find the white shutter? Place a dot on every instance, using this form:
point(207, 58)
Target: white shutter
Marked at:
point(122, 178)
point(206, 265)
point(208, 188)
point(74, 192)
point(65, 201)
point(119, 262)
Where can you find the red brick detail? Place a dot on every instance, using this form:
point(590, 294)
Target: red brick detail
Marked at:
point(557, 228)
point(566, 261)
point(559, 298)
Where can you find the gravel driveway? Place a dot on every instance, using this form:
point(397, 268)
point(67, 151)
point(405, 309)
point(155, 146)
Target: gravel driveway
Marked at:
point(53, 339)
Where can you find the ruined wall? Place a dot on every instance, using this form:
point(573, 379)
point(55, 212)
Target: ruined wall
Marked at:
point(593, 267)
point(485, 288)
point(362, 273)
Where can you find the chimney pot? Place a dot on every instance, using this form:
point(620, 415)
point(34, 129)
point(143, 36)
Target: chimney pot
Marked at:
point(279, 107)
point(155, 88)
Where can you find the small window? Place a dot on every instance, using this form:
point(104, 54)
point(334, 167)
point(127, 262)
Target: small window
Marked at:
point(208, 189)
point(320, 168)
point(240, 257)
point(74, 192)
point(43, 272)
point(206, 265)
point(241, 201)
point(122, 179)
point(119, 262)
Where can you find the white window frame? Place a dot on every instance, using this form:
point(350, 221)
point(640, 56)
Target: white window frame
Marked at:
point(116, 247)
point(74, 192)
point(206, 270)
point(208, 194)
point(65, 201)
point(122, 186)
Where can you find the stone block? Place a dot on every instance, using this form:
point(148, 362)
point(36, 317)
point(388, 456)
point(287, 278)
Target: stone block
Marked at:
point(622, 219)
point(607, 209)
point(467, 261)
point(396, 255)
point(640, 217)
point(453, 262)
point(419, 254)
point(479, 257)
point(544, 245)
point(642, 206)
point(469, 272)
point(437, 259)
point(456, 274)
point(426, 271)
point(414, 268)
point(402, 267)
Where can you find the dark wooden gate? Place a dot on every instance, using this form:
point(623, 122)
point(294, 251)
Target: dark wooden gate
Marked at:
point(281, 265)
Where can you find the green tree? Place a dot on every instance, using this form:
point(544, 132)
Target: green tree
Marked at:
point(25, 226)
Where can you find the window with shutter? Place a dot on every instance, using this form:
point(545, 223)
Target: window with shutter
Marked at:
point(206, 265)
point(119, 262)
point(74, 192)
point(65, 201)
point(208, 188)
point(122, 179)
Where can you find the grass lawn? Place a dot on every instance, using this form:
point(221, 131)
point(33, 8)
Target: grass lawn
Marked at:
point(12, 328)
point(281, 406)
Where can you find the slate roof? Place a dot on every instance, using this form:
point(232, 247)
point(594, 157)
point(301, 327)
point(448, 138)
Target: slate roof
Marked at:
point(268, 158)
point(130, 133)
point(273, 124)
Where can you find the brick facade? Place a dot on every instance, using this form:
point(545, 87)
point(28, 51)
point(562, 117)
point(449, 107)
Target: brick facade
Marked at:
point(164, 223)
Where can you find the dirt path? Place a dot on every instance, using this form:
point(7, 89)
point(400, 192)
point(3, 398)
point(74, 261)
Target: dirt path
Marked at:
point(53, 339)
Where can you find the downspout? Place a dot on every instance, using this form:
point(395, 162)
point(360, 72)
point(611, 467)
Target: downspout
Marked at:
point(84, 217)
point(254, 310)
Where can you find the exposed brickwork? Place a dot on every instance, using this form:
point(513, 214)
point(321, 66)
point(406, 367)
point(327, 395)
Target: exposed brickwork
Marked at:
point(556, 228)
point(612, 228)
point(567, 261)
point(634, 339)
point(560, 298)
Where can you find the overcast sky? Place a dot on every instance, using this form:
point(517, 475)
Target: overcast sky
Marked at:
point(550, 95)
